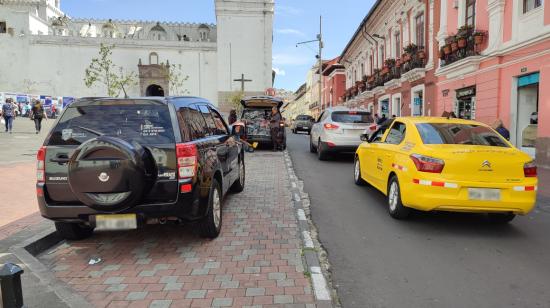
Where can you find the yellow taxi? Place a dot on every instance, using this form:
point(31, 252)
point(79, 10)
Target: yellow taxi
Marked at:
point(441, 164)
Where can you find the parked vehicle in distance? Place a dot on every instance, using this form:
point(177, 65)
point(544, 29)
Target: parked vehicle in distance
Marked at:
point(119, 163)
point(256, 114)
point(302, 123)
point(337, 130)
point(445, 164)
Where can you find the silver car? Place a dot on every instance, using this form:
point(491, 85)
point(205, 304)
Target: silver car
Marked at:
point(339, 129)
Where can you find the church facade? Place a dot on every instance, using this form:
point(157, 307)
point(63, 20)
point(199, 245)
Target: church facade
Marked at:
point(46, 53)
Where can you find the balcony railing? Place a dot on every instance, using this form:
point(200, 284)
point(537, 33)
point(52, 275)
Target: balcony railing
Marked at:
point(413, 58)
point(462, 45)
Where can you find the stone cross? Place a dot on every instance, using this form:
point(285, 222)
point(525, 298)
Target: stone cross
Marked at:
point(242, 81)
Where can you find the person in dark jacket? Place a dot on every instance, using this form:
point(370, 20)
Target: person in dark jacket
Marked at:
point(275, 127)
point(37, 114)
point(232, 117)
point(499, 127)
point(382, 119)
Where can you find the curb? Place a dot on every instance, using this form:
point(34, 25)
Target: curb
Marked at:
point(27, 250)
point(313, 252)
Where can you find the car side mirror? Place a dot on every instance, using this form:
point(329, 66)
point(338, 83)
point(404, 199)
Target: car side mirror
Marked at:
point(365, 137)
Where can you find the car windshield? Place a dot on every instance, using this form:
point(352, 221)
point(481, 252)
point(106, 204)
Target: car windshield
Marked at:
point(454, 133)
point(352, 117)
point(145, 124)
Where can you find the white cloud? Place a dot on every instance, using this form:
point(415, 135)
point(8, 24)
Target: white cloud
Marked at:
point(295, 59)
point(290, 31)
point(279, 71)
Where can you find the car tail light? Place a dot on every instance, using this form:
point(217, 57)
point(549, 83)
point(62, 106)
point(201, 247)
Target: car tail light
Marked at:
point(331, 126)
point(41, 165)
point(530, 170)
point(427, 164)
point(186, 154)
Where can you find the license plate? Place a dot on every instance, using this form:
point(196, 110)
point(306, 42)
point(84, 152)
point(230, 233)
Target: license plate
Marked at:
point(116, 222)
point(484, 194)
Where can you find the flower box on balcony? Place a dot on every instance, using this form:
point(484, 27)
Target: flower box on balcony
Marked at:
point(406, 57)
point(441, 53)
point(370, 79)
point(447, 49)
point(461, 42)
point(478, 37)
point(385, 70)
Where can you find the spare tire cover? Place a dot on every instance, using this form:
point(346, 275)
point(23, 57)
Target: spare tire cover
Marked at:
point(109, 174)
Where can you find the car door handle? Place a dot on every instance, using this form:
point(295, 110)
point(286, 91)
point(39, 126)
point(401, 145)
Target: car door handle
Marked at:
point(60, 159)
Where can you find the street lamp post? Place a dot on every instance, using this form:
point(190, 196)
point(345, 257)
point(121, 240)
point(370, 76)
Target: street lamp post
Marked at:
point(319, 56)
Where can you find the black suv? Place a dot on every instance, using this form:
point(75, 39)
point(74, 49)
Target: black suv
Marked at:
point(119, 163)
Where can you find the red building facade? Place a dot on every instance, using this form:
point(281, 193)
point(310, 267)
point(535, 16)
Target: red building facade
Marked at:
point(334, 83)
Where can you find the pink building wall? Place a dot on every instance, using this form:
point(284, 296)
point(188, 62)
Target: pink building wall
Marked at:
point(507, 31)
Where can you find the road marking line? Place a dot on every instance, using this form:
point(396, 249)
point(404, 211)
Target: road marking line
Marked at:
point(319, 284)
point(308, 242)
point(301, 215)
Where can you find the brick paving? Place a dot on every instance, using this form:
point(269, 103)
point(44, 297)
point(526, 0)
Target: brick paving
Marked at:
point(256, 260)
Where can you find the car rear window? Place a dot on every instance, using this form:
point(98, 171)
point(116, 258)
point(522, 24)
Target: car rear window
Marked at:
point(142, 123)
point(453, 133)
point(352, 117)
point(303, 118)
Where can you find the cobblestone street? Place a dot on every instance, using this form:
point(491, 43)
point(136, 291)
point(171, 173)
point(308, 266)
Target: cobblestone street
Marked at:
point(255, 261)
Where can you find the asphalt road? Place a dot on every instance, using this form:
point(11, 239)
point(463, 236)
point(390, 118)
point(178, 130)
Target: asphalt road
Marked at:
point(430, 260)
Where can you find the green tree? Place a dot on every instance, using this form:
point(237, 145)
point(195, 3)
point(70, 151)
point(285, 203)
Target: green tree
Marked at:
point(103, 71)
point(235, 101)
point(177, 80)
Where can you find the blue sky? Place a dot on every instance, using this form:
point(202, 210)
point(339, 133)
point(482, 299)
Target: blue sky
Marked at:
point(295, 21)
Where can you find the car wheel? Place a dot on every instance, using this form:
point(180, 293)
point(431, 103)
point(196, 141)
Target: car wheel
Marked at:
point(210, 225)
point(501, 218)
point(395, 207)
point(238, 186)
point(73, 231)
point(357, 173)
point(312, 148)
point(321, 154)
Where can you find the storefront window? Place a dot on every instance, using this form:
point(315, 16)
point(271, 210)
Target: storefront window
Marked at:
point(418, 104)
point(465, 103)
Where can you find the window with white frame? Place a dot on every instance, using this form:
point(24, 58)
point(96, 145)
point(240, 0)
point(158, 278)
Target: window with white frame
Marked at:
point(381, 56)
point(419, 27)
point(470, 13)
point(397, 38)
point(529, 5)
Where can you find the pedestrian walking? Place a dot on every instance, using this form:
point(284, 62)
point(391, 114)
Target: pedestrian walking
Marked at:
point(382, 119)
point(275, 127)
point(376, 118)
point(503, 131)
point(37, 115)
point(232, 117)
point(8, 114)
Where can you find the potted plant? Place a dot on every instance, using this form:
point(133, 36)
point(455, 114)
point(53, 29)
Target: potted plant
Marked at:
point(397, 62)
point(370, 79)
point(389, 63)
point(447, 49)
point(478, 37)
point(442, 53)
point(410, 49)
point(465, 31)
point(364, 78)
point(461, 40)
point(454, 44)
point(406, 57)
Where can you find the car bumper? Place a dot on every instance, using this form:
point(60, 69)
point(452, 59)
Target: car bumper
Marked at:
point(518, 198)
point(302, 128)
point(187, 208)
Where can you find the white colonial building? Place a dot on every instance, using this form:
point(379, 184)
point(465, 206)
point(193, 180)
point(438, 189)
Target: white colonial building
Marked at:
point(45, 52)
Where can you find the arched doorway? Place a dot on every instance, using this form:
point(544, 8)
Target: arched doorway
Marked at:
point(154, 90)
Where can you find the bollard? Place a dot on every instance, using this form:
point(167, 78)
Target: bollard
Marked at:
point(10, 284)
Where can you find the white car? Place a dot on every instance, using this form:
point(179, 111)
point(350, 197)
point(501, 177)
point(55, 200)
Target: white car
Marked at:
point(339, 129)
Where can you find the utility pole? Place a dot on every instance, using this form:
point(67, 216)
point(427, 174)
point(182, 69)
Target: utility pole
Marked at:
point(319, 57)
point(320, 38)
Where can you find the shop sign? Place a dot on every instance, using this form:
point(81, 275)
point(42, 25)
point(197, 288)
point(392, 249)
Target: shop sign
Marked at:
point(466, 92)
